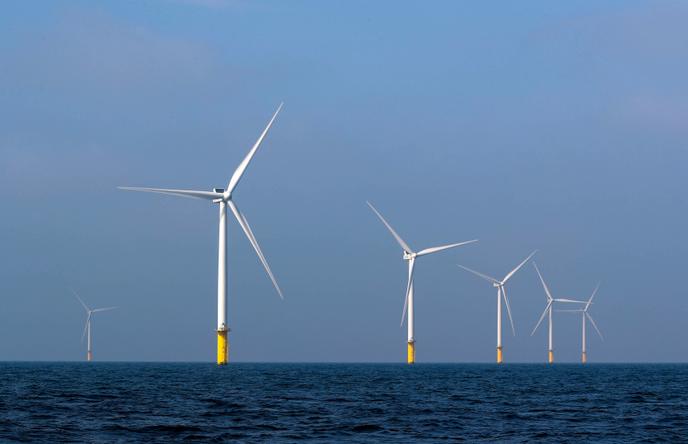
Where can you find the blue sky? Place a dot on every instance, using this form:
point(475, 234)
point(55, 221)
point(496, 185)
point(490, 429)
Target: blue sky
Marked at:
point(559, 126)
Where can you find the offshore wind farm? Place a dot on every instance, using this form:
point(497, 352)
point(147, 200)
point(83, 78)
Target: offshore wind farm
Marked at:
point(347, 132)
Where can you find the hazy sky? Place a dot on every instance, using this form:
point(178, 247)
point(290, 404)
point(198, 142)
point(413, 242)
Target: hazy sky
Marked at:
point(560, 126)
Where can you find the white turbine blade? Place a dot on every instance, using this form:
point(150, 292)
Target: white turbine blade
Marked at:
point(409, 284)
point(592, 296)
point(254, 242)
point(82, 302)
point(592, 321)
point(541, 317)
point(484, 276)
point(88, 319)
point(194, 194)
point(508, 310)
point(401, 242)
point(512, 272)
point(544, 285)
point(103, 309)
point(569, 301)
point(236, 177)
point(444, 247)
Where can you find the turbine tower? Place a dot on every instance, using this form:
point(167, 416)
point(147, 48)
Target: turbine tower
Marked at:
point(410, 257)
point(87, 327)
point(501, 293)
point(584, 315)
point(224, 199)
point(548, 311)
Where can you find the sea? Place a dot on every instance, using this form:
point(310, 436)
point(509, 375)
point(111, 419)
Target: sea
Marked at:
point(102, 402)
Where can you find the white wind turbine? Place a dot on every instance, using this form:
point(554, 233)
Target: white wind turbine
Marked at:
point(223, 197)
point(548, 310)
point(501, 293)
point(87, 327)
point(585, 314)
point(410, 257)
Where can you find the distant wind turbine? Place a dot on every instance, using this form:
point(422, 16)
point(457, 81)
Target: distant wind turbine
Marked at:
point(585, 314)
point(410, 257)
point(223, 197)
point(548, 311)
point(501, 293)
point(87, 327)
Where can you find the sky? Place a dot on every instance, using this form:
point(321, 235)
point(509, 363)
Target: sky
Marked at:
point(557, 126)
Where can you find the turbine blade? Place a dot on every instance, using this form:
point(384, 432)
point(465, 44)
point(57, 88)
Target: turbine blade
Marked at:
point(594, 292)
point(541, 317)
point(401, 242)
point(409, 284)
point(239, 172)
point(103, 309)
point(82, 302)
point(194, 194)
point(444, 247)
point(512, 272)
point(254, 242)
point(508, 310)
point(88, 319)
point(484, 276)
point(544, 285)
point(592, 321)
point(569, 301)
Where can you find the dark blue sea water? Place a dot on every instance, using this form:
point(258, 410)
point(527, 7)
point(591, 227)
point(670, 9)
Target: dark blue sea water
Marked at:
point(122, 402)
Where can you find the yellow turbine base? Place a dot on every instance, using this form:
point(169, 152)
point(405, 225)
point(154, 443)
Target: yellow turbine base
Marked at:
point(222, 348)
point(89, 356)
point(584, 358)
point(499, 355)
point(550, 357)
point(411, 356)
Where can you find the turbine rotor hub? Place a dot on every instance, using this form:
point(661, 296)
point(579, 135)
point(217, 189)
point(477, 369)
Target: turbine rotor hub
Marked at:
point(224, 198)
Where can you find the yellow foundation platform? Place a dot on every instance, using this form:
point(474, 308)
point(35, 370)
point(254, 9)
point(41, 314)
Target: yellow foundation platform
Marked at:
point(411, 357)
point(89, 356)
point(499, 355)
point(550, 357)
point(584, 358)
point(222, 348)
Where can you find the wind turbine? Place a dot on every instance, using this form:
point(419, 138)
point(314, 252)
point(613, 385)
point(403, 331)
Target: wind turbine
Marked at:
point(223, 197)
point(501, 293)
point(585, 314)
point(548, 311)
point(410, 257)
point(87, 327)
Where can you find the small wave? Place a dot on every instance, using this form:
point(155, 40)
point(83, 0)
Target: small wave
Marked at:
point(366, 428)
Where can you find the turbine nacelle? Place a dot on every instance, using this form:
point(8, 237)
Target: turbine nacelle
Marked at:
point(222, 196)
point(408, 256)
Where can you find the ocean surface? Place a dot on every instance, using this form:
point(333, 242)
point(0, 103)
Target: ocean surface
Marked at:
point(129, 402)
